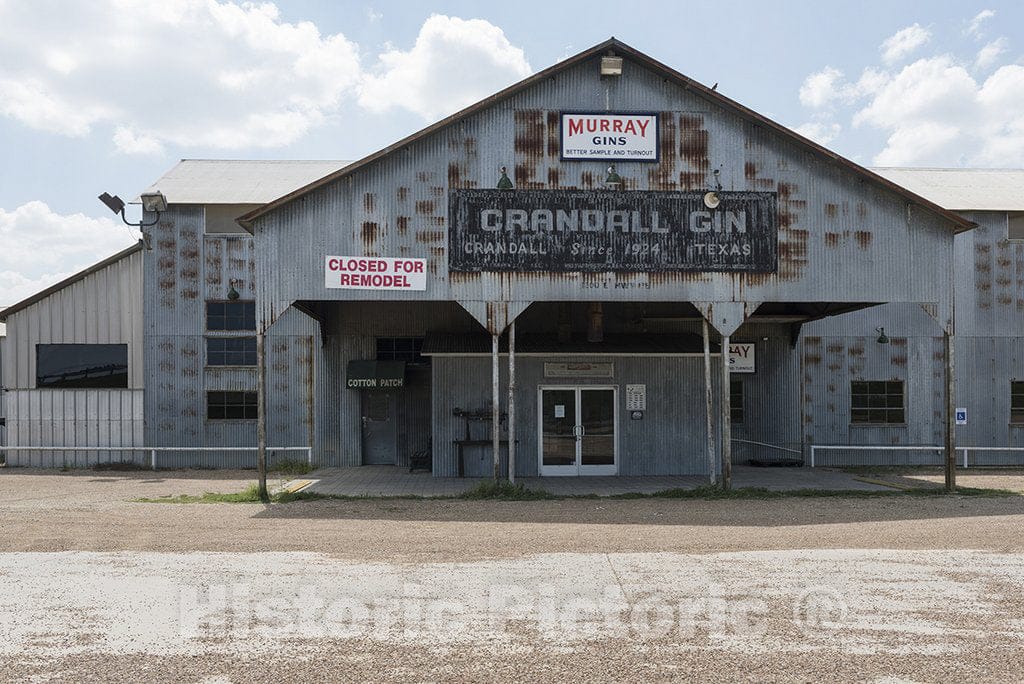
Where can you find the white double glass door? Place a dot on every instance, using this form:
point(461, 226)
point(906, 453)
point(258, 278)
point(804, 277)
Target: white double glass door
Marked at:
point(577, 430)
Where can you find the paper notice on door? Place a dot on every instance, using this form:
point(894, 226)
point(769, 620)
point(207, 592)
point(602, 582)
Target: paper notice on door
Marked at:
point(559, 410)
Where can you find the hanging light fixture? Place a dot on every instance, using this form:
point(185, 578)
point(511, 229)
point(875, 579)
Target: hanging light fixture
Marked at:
point(613, 181)
point(233, 293)
point(882, 337)
point(713, 199)
point(505, 183)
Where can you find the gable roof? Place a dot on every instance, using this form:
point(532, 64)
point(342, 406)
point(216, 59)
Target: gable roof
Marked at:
point(237, 181)
point(622, 50)
point(71, 280)
point(964, 189)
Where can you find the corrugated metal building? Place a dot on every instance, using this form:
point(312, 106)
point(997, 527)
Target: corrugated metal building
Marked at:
point(73, 365)
point(387, 288)
point(989, 291)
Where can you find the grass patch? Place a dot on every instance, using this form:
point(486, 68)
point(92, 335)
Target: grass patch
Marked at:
point(250, 494)
point(290, 467)
point(121, 466)
point(505, 491)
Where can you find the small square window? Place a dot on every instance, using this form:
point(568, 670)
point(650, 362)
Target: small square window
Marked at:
point(231, 405)
point(231, 351)
point(877, 402)
point(400, 349)
point(230, 316)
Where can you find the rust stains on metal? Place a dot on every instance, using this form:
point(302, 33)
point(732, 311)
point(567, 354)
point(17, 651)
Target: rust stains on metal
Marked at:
point(402, 193)
point(587, 179)
point(189, 293)
point(369, 201)
point(832, 239)
point(554, 126)
point(862, 210)
point(454, 175)
point(554, 177)
point(749, 170)
point(437, 251)
point(369, 231)
point(863, 238)
point(437, 191)
point(403, 224)
point(835, 348)
point(430, 236)
point(425, 207)
point(812, 359)
point(693, 141)
point(831, 210)
point(424, 176)
point(530, 133)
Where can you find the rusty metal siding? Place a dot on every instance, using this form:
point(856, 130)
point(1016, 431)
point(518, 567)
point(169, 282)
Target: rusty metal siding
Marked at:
point(185, 269)
point(989, 291)
point(831, 363)
point(841, 238)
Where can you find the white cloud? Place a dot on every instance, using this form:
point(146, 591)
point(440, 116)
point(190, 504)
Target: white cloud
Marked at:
point(41, 247)
point(821, 87)
point(974, 27)
point(130, 142)
point(933, 111)
point(988, 55)
point(131, 68)
point(903, 42)
point(820, 132)
point(453, 63)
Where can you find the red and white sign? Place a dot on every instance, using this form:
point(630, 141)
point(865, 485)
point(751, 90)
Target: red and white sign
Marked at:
point(615, 137)
point(374, 273)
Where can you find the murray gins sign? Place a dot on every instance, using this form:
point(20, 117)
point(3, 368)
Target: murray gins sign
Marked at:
point(592, 231)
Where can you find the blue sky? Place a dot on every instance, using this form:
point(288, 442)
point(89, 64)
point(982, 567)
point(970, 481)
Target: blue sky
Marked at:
point(108, 94)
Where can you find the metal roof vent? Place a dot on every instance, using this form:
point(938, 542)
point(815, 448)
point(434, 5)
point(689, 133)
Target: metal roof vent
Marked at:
point(611, 66)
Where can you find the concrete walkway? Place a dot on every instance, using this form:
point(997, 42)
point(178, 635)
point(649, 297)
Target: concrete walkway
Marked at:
point(395, 481)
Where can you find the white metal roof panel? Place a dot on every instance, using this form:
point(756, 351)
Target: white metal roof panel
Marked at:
point(963, 189)
point(234, 181)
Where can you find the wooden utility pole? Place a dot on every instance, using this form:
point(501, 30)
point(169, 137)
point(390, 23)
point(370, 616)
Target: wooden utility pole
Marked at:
point(725, 421)
point(261, 414)
point(708, 403)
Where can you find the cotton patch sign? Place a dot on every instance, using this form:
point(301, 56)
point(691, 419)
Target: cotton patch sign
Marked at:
point(615, 137)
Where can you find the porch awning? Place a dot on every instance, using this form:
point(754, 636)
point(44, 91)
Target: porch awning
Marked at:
point(375, 375)
point(449, 344)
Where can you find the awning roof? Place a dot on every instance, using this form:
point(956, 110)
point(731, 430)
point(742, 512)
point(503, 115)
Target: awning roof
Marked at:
point(452, 344)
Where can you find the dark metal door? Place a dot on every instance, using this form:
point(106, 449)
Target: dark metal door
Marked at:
point(380, 443)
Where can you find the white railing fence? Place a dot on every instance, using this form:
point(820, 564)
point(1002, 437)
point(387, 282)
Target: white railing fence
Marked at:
point(938, 451)
point(150, 456)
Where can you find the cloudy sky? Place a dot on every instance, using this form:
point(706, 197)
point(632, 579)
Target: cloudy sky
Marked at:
point(108, 94)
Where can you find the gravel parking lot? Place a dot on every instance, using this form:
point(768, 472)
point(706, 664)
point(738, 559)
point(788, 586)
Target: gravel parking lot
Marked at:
point(96, 586)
